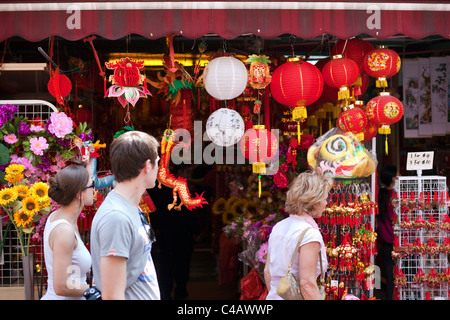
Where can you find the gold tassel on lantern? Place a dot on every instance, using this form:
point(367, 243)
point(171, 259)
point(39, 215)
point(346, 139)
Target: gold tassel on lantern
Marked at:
point(343, 93)
point(381, 82)
point(299, 114)
point(385, 129)
point(259, 167)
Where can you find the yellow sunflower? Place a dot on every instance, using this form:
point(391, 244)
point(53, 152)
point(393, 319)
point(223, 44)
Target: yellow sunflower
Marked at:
point(22, 219)
point(7, 196)
point(14, 169)
point(40, 192)
point(219, 206)
point(13, 178)
point(239, 207)
point(30, 205)
point(227, 217)
point(230, 202)
point(22, 190)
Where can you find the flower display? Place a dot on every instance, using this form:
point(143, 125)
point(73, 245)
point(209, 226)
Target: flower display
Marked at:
point(10, 138)
point(41, 146)
point(38, 145)
point(24, 204)
point(60, 124)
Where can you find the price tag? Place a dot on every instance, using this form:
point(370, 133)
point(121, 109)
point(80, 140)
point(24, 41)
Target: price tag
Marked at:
point(420, 160)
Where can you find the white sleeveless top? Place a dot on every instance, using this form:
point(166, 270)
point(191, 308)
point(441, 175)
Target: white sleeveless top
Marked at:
point(282, 242)
point(81, 262)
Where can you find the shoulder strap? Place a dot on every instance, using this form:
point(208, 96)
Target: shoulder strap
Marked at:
point(300, 239)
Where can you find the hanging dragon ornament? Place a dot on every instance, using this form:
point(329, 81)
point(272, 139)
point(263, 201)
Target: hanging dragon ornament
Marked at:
point(179, 185)
point(128, 84)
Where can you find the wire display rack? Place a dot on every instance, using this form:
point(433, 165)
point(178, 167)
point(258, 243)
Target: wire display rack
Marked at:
point(11, 272)
point(420, 250)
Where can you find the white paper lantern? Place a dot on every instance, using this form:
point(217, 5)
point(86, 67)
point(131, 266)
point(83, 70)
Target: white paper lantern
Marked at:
point(225, 127)
point(225, 78)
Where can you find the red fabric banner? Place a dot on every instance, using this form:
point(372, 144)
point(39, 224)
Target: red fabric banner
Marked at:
point(37, 20)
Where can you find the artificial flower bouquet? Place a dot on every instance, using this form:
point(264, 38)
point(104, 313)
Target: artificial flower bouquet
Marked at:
point(25, 204)
point(42, 146)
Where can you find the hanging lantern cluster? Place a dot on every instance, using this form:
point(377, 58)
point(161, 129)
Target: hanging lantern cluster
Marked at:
point(297, 84)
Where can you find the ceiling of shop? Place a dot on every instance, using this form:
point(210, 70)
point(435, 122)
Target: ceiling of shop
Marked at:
point(21, 84)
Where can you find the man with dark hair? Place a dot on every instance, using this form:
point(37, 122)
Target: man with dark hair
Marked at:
point(121, 237)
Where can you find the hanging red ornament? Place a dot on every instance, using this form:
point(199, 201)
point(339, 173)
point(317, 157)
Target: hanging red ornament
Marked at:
point(353, 119)
point(128, 83)
point(259, 72)
point(382, 63)
point(340, 73)
point(370, 131)
point(59, 86)
point(297, 85)
point(384, 110)
point(259, 145)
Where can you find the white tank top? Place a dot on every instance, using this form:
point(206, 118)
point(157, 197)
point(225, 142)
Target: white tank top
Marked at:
point(81, 262)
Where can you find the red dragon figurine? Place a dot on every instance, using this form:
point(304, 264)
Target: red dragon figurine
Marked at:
point(179, 185)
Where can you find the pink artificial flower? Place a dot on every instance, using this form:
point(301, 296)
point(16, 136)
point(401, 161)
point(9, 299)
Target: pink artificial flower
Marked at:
point(60, 124)
point(37, 128)
point(262, 252)
point(38, 145)
point(10, 138)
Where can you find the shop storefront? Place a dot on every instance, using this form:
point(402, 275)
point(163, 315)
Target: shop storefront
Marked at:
point(342, 87)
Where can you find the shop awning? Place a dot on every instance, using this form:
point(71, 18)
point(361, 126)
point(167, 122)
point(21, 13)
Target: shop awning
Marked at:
point(35, 20)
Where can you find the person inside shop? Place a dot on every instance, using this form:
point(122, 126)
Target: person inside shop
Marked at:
point(175, 238)
point(66, 257)
point(121, 236)
point(306, 200)
point(385, 228)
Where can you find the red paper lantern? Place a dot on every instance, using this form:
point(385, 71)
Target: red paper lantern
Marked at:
point(382, 63)
point(353, 119)
point(384, 110)
point(370, 131)
point(83, 115)
point(259, 145)
point(340, 73)
point(354, 49)
point(59, 86)
point(297, 85)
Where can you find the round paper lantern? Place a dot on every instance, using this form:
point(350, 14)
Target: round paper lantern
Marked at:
point(297, 85)
point(83, 114)
point(384, 110)
point(259, 145)
point(354, 49)
point(353, 119)
point(59, 86)
point(340, 73)
point(225, 78)
point(382, 63)
point(225, 127)
point(370, 131)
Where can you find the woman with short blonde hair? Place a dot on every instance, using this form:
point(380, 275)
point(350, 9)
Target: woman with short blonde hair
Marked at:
point(306, 200)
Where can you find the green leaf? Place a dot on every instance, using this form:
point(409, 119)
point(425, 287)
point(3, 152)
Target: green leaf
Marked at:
point(46, 211)
point(28, 230)
point(4, 154)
